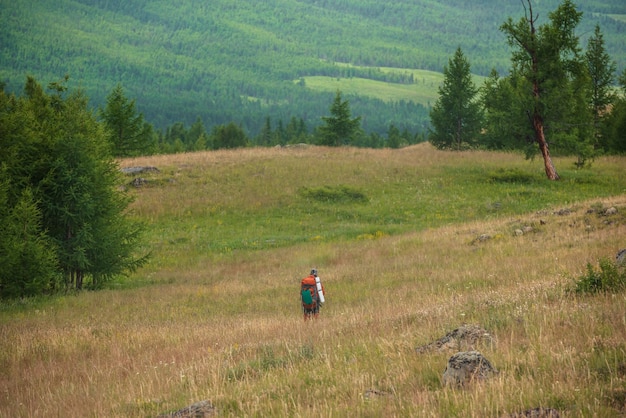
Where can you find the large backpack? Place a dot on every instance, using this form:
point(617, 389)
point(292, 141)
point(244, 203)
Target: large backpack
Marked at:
point(309, 295)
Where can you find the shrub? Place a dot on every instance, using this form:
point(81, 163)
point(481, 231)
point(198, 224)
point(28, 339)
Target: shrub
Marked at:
point(610, 278)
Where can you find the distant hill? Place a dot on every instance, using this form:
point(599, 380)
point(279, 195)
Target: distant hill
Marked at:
point(248, 60)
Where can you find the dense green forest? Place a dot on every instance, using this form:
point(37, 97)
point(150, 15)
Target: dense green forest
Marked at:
point(247, 61)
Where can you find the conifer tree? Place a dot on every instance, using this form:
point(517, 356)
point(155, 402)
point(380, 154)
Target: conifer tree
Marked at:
point(66, 162)
point(265, 137)
point(128, 133)
point(339, 128)
point(614, 130)
point(456, 115)
point(229, 136)
point(547, 58)
point(601, 72)
point(29, 264)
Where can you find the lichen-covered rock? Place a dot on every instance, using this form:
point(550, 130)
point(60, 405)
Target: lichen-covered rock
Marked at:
point(200, 409)
point(467, 367)
point(465, 337)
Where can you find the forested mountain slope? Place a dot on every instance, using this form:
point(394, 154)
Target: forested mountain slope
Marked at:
point(245, 60)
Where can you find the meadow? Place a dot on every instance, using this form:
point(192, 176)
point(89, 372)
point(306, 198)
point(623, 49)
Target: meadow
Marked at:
point(424, 89)
point(396, 237)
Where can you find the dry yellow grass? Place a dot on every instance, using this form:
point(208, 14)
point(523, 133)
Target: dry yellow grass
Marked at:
point(210, 332)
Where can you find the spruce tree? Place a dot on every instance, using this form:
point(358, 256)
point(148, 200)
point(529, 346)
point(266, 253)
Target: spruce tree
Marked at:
point(339, 128)
point(456, 115)
point(601, 72)
point(128, 133)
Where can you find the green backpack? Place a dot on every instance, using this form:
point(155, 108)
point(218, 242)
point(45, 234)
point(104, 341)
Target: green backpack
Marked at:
point(309, 296)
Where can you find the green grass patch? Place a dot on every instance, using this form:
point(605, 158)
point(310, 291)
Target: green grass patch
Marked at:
point(423, 90)
point(424, 94)
point(333, 194)
point(512, 175)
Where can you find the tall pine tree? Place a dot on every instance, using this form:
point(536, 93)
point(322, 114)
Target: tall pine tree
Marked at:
point(601, 72)
point(128, 133)
point(456, 116)
point(339, 128)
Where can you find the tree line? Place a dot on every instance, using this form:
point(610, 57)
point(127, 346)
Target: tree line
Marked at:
point(557, 98)
point(131, 135)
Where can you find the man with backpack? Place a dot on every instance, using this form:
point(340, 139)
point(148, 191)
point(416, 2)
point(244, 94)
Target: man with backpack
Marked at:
point(311, 295)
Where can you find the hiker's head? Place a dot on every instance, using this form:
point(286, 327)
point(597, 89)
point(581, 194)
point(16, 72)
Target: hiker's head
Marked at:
point(314, 272)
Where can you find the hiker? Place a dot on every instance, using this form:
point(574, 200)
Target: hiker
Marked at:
point(311, 295)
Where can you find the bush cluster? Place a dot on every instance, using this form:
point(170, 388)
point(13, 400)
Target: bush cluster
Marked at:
point(610, 278)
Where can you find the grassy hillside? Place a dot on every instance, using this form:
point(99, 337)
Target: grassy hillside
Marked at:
point(187, 60)
point(394, 234)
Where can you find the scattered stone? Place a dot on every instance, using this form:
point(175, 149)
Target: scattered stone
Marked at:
point(527, 229)
point(139, 182)
point(610, 211)
point(519, 232)
point(535, 413)
point(200, 409)
point(563, 212)
point(375, 393)
point(466, 337)
point(467, 367)
point(138, 170)
point(620, 258)
point(482, 238)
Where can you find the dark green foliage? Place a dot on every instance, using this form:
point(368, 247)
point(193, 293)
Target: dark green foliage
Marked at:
point(228, 136)
point(506, 122)
point(456, 116)
point(62, 193)
point(609, 278)
point(129, 134)
point(601, 76)
point(339, 194)
point(552, 92)
point(614, 127)
point(28, 259)
point(339, 128)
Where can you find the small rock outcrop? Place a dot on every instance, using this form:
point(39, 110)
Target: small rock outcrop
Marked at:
point(535, 413)
point(200, 409)
point(138, 170)
point(467, 367)
point(375, 393)
point(139, 182)
point(465, 337)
